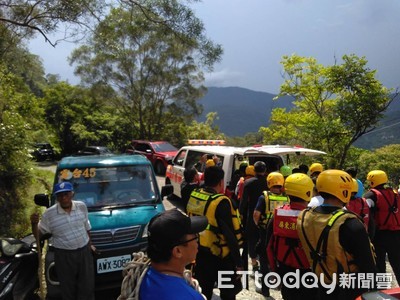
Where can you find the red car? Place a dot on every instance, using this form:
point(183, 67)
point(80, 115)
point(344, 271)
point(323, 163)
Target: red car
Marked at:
point(158, 152)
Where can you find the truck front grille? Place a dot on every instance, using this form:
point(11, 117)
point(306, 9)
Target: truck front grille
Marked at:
point(119, 235)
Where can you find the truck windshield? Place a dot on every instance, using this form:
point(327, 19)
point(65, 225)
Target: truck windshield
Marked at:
point(121, 185)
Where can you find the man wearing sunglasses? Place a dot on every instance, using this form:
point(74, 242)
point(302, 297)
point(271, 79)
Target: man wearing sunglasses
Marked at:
point(172, 245)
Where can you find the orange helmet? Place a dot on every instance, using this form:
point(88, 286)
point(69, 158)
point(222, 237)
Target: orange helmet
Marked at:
point(376, 177)
point(335, 182)
point(250, 171)
point(275, 178)
point(299, 185)
point(316, 167)
point(210, 163)
point(354, 188)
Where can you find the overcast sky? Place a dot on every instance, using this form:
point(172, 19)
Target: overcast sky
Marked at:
point(255, 34)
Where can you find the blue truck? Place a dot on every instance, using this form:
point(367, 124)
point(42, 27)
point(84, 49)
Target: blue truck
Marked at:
point(122, 195)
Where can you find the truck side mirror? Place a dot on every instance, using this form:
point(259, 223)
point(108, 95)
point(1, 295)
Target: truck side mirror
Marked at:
point(42, 200)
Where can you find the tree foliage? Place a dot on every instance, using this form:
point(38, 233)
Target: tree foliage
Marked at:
point(205, 131)
point(156, 75)
point(79, 118)
point(334, 105)
point(386, 159)
point(17, 106)
point(25, 18)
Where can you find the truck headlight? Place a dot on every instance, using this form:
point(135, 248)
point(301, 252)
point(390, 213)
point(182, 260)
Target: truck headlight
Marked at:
point(145, 231)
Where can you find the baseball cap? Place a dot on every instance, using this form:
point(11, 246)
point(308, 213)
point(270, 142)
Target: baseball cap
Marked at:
point(64, 186)
point(168, 229)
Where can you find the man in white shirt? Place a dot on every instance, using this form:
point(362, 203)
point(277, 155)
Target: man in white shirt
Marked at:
point(67, 222)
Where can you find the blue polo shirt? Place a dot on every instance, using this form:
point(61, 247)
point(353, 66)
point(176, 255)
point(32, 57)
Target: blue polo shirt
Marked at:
point(158, 286)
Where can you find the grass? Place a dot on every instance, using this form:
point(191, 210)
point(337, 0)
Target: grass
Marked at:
point(42, 181)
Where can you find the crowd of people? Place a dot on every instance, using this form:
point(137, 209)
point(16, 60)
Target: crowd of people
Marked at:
point(314, 223)
point(317, 224)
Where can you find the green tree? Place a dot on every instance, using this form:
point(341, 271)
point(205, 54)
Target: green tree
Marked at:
point(79, 119)
point(154, 71)
point(19, 111)
point(205, 130)
point(334, 105)
point(386, 159)
point(26, 18)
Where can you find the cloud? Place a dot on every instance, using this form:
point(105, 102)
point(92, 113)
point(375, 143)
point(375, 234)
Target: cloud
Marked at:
point(223, 78)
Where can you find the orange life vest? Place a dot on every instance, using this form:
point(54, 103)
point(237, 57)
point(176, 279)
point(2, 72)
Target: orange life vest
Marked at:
point(317, 231)
point(240, 186)
point(387, 216)
point(287, 246)
point(360, 207)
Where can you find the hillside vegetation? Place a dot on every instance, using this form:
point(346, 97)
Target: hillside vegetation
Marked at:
point(241, 111)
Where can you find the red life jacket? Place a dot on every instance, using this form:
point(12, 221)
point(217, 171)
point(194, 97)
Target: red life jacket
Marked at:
point(240, 187)
point(287, 246)
point(387, 216)
point(360, 207)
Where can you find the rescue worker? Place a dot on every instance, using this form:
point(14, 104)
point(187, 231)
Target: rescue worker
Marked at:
point(249, 173)
point(384, 205)
point(252, 190)
point(303, 169)
point(285, 171)
point(209, 163)
point(219, 244)
point(352, 171)
point(285, 252)
point(190, 182)
point(359, 205)
point(349, 250)
point(315, 169)
point(262, 216)
point(236, 177)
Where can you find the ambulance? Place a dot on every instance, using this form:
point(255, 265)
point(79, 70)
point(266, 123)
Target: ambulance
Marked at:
point(230, 158)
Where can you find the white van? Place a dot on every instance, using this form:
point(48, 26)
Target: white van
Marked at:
point(230, 158)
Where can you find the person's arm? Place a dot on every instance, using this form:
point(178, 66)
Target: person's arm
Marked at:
point(260, 208)
point(370, 197)
point(34, 223)
point(354, 239)
point(223, 215)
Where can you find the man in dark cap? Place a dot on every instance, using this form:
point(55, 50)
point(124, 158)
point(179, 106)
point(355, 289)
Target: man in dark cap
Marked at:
point(172, 245)
point(253, 189)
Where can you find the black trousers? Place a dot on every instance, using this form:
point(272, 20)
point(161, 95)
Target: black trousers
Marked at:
point(206, 272)
point(75, 270)
point(388, 242)
point(296, 293)
point(252, 236)
point(261, 249)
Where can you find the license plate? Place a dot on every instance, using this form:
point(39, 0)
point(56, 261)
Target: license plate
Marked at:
point(111, 264)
